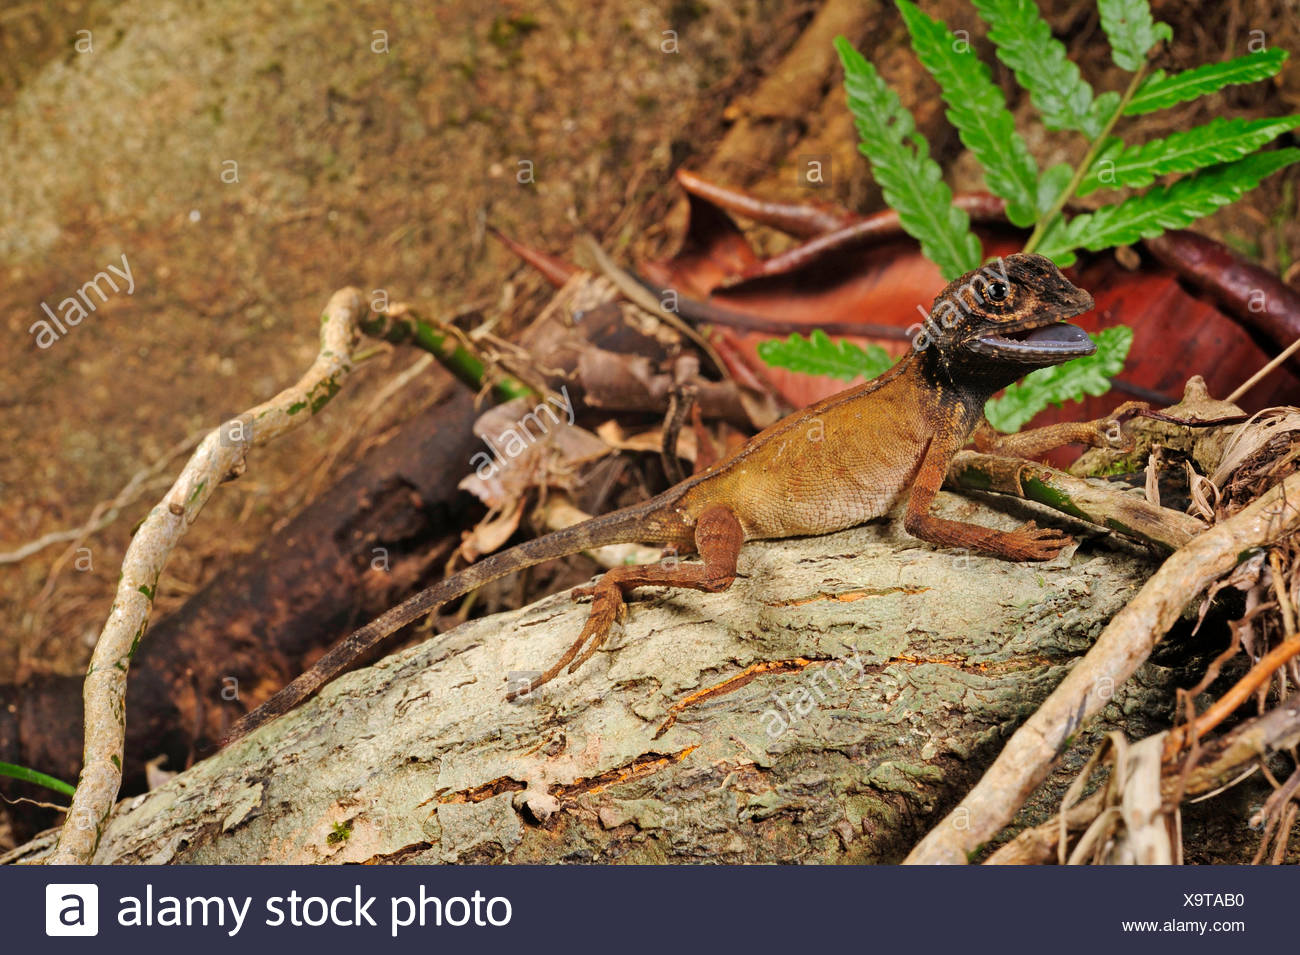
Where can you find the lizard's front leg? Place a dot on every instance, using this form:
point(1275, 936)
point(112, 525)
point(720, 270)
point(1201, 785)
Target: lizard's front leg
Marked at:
point(1027, 542)
point(718, 536)
point(1102, 433)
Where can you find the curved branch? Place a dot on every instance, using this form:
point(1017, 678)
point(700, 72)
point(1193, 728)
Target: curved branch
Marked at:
point(218, 458)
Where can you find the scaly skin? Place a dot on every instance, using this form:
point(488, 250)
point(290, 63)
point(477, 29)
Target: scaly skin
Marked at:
point(833, 465)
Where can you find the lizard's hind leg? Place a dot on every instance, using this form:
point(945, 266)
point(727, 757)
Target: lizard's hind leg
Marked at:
point(718, 536)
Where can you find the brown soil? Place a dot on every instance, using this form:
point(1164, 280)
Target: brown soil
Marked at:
point(354, 166)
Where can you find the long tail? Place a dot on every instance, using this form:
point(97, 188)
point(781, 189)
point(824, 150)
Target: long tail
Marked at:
point(615, 528)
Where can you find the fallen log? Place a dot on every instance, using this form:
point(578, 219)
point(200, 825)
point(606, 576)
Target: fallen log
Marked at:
point(844, 692)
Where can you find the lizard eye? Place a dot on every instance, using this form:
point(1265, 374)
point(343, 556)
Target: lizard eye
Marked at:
point(997, 292)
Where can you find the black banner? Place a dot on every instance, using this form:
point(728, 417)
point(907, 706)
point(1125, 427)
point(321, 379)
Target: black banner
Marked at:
point(644, 909)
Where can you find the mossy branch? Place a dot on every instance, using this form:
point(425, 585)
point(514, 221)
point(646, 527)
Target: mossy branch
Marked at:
point(1123, 513)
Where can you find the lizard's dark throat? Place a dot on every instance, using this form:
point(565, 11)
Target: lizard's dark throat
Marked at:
point(1059, 341)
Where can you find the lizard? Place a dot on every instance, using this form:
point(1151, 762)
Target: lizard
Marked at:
point(833, 465)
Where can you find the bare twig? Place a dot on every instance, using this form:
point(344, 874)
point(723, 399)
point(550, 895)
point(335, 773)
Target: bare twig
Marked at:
point(1279, 590)
point(1241, 691)
point(24, 801)
point(1156, 415)
point(105, 512)
point(1219, 768)
point(1040, 843)
point(1277, 807)
point(219, 457)
point(680, 403)
point(1255, 379)
point(640, 296)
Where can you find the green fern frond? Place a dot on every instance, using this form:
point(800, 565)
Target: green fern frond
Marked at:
point(1161, 91)
point(1058, 90)
point(912, 182)
point(978, 110)
point(818, 355)
point(1164, 207)
point(1218, 141)
point(1131, 30)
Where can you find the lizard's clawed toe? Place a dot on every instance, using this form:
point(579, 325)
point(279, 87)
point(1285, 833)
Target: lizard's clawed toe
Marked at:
point(1031, 542)
point(607, 607)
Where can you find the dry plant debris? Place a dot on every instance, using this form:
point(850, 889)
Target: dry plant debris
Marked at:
point(1240, 476)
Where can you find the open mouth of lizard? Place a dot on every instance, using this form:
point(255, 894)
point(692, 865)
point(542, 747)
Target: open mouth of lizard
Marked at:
point(1059, 340)
point(1037, 340)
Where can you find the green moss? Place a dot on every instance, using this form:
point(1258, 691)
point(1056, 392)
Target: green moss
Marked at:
point(322, 393)
point(1045, 493)
point(342, 832)
point(135, 641)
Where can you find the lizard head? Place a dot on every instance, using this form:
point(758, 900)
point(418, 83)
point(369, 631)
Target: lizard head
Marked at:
point(1004, 320)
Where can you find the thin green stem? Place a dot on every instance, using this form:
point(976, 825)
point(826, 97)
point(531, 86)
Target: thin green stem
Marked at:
point(32, 776)
point(1048, 218)
point(450, 352)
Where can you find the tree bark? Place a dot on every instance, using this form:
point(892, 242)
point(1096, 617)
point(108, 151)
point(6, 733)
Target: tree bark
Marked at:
point(867, 679)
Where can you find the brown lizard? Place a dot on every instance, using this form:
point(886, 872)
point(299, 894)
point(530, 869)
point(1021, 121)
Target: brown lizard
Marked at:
point(833, 465)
